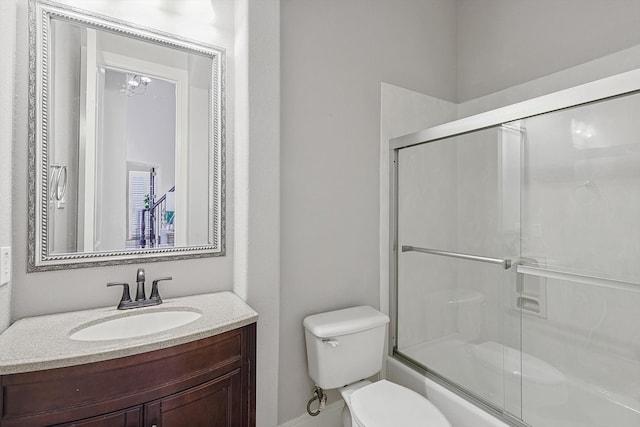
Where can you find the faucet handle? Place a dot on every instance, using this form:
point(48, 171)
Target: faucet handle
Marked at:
point(126, 297)
point(154, 289)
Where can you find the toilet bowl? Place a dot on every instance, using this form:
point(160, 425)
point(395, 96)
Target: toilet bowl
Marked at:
point(345, 347)
point(385, 404)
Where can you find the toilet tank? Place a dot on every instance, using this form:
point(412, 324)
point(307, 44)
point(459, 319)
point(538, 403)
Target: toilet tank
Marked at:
point(345, 346)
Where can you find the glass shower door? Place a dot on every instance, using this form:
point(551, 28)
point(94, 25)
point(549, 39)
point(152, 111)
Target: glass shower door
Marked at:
point(518, 260)
point(458, 215)
point(580, 266)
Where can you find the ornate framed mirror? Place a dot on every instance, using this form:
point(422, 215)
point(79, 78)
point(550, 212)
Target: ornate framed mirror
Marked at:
point(126, 142)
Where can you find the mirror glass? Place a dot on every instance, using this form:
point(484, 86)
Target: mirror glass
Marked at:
point(127, 143)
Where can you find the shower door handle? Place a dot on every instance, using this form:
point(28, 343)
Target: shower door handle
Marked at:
point(505, 263)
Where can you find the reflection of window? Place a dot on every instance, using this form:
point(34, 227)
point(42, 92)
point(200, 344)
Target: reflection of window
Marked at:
point(137, 190)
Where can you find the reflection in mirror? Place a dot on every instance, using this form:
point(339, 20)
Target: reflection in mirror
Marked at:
point(136, 176)
point(127, 143)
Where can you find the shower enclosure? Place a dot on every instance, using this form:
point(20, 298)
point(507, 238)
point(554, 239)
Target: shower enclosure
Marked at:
point(515, 258)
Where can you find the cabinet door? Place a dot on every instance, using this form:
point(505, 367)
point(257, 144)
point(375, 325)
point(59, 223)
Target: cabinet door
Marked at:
point(213, 404)
point(127, 418)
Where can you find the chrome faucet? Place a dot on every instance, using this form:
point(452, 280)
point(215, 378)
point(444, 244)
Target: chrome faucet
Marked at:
point(140, 296)
point(141, 300)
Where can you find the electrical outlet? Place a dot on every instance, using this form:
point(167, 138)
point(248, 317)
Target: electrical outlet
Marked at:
point(5, 265)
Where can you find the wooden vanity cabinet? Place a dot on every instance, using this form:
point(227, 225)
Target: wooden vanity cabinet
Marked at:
point(204, 383)
point(218, 399)
point(128, 418)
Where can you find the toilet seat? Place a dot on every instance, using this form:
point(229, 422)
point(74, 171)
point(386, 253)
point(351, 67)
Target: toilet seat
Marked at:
point(385, 404)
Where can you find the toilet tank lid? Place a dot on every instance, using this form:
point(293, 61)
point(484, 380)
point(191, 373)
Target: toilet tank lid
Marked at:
point(343, 322)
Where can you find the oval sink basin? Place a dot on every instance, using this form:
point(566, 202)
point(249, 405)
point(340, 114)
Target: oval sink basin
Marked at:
point(135, 325)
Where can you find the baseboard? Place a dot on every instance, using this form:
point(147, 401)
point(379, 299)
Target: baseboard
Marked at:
point(330, 417)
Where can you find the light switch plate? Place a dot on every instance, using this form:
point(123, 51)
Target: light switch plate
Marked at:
point(5, 265)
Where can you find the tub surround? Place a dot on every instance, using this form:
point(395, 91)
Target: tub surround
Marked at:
point(39, 343)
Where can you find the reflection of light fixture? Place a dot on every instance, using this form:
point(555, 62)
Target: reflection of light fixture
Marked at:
point(582, 134)
point(135, 84)
point(582, 129)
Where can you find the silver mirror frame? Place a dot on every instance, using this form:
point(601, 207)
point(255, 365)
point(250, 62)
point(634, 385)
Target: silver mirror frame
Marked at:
point(38, 258)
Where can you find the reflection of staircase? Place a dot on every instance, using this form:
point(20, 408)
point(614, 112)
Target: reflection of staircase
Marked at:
point(158, 217)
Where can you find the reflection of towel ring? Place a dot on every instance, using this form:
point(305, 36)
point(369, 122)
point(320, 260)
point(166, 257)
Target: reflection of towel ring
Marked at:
point(58, 182)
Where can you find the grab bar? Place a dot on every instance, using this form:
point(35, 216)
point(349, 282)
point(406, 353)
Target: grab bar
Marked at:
point(505, 263)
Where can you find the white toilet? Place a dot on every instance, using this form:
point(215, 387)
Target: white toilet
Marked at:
point(346, 346)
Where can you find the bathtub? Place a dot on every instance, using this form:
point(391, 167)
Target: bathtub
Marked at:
point(552, 398)
point(457, 410)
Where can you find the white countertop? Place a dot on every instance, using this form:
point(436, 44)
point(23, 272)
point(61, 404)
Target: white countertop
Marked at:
point(37, 343)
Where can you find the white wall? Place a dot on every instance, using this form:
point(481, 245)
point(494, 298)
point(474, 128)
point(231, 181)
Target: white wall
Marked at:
point(402, 111)
point(503, 43)
point(40, 293)
point(257, 193)
point(335, 54)
point(7, 53)
point(599, 68)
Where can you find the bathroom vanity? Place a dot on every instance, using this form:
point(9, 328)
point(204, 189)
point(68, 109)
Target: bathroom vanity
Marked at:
point(198, 374)
point(188, 361)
